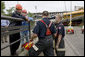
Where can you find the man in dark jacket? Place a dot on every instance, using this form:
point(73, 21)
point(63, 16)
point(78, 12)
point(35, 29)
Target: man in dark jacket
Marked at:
point(16, 36)
point(45, 43)
point(59, 40)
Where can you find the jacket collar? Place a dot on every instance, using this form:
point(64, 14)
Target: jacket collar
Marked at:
point(17, 13)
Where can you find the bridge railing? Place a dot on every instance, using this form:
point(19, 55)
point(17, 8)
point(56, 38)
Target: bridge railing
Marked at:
point(13, 29)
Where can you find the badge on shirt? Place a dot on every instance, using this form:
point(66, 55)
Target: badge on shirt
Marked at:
point(59, 27)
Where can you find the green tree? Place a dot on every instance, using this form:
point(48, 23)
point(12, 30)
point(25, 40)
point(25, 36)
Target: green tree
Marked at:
point(2, 8)
point(9, 11)
point(32, 23)
point(30, 14)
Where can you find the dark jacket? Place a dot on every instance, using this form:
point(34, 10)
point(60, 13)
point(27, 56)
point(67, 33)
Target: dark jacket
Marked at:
point(16, 15)
point(40, 28)
point(60, 29)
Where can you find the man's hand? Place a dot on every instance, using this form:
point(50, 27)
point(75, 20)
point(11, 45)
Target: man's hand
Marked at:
point(59, 39)
point(33, 36)
point(27, 18)
point(30, 40)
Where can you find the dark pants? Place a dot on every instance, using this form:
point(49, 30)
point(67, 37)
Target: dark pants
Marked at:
point(15, 46)
point(61, 46)
point(44, 45)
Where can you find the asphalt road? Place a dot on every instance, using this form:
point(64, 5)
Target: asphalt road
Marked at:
point(74, 44)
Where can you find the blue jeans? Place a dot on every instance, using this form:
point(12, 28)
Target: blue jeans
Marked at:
point(24, 35)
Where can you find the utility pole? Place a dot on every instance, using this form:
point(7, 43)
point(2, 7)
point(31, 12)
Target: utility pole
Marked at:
point(70, 12)
point(36, 8)
point(36, 11)
point(65, 9)
point(65, 6)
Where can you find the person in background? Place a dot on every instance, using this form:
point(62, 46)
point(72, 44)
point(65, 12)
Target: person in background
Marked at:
point(4, 23)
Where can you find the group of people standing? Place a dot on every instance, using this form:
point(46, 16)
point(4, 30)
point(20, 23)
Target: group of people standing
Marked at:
point(45, 30)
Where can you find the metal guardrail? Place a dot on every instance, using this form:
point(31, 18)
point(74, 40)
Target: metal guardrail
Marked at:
point(11, 18)
point(13, 29)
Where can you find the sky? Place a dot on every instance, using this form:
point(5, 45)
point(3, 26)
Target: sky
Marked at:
point(50, 6)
